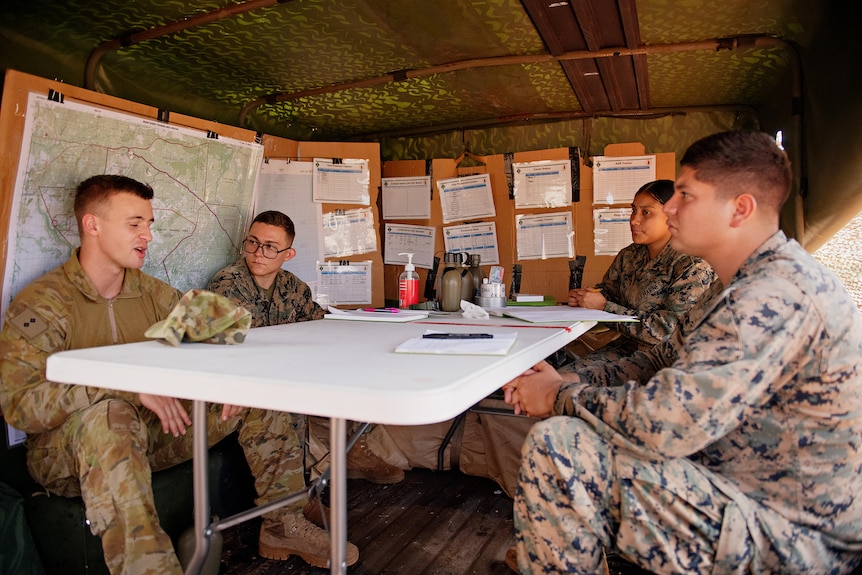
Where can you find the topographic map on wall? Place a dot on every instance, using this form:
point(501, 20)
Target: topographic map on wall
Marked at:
point(204, 189)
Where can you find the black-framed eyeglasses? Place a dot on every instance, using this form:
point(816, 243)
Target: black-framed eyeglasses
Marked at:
point(269, 251)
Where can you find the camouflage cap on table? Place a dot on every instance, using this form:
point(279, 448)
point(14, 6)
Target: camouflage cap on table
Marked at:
point(203, 316)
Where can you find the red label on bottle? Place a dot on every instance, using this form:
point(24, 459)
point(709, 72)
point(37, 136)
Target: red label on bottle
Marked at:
point(408, 293)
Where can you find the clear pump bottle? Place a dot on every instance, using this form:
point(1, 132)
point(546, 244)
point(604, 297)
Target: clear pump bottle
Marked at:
point(408, 284)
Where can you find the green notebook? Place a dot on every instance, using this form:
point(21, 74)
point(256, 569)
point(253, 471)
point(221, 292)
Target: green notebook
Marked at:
point(549, 300)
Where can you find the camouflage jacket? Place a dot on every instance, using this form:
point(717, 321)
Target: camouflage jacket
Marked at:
point(658, 292)
point(63, 310)
point(762, 384)
point(291, 299)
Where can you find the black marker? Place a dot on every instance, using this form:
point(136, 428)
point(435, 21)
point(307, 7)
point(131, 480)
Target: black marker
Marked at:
point(457, 336)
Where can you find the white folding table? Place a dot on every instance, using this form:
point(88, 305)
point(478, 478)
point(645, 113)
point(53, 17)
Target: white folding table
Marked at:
point(336, 369)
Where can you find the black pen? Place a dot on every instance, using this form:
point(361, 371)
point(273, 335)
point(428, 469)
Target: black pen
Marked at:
point(457, 336)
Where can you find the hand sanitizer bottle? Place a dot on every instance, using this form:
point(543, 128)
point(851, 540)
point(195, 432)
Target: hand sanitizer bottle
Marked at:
point(408, 284)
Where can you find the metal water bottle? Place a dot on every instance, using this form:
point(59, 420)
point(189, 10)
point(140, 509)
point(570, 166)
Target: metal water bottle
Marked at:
point(467, 287)
point(450, 282)
point(478, 275)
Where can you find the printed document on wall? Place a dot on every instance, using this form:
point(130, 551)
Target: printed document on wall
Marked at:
point(340, 283)
point(544, 184)
point(466, 198)
point(406, 198)
point(611, 230)
point(617, 179)
point(341, 181)
point(543, 236)
point(479, 238)
point(348, 232)
point(285, 186)
point(404, 238)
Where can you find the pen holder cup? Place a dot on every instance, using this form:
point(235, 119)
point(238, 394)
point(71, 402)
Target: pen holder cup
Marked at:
point(491, 302)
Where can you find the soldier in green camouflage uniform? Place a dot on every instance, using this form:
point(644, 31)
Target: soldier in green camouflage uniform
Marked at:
point(733, 447)
point(647, 279)
point(286, 298)
point(102, 444)
point(276, 296)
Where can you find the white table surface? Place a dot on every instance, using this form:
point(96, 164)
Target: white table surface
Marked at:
point(341, 369)
point(331, 368)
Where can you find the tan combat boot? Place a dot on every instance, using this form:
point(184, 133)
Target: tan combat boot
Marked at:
point(362, 463)
point(316, 512)
point(295, 535)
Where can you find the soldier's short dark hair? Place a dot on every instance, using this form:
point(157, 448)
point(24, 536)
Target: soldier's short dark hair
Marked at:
point(741, 161)
point(276, 218)
point(93, 192)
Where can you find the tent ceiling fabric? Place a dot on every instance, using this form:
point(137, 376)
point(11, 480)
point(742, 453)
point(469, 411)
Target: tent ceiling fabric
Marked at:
point(316, 53)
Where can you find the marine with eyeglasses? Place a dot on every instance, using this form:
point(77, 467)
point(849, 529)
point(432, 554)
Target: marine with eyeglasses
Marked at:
point(275, 296)
point(257, 282)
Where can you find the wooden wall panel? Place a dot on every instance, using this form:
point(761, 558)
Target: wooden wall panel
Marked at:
point(548, 277)
point(307, 151)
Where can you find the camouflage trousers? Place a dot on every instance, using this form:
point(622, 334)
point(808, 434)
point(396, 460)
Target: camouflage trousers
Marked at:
point(581, 491)
point(105, 454)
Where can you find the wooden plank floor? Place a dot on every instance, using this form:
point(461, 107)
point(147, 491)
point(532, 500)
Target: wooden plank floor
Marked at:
point(432, 523)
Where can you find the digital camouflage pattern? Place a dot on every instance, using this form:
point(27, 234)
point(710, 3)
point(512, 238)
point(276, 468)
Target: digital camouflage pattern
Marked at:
point(657, 291)
point(733, 447)
point(291, 302)
point(203, 316)
point(102, 444)
point(291, 299)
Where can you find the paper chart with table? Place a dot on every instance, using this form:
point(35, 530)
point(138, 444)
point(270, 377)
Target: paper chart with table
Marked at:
point(459, 344)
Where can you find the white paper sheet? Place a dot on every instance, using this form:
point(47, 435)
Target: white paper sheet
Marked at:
point(466, 198)
point(611, 230)
point(406, 198)
point(406, 238)
point(286, 187)
point(480, 238)
point(343, 284)
point(348, 232)
point(395, 316)
point(499, 344)
point(341, 182)
point(617, 179)
point(543, 236)
point(543, 184)
point(563, 313)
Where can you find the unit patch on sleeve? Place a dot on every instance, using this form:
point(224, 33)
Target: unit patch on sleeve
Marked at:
point(29, 323)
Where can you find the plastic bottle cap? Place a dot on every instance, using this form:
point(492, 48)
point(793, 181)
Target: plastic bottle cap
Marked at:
point(409, 265)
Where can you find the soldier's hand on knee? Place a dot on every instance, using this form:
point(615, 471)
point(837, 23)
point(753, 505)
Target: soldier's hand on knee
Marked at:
point(228, 411)
point(170, 412)
point(535, 392)
point(510, 388)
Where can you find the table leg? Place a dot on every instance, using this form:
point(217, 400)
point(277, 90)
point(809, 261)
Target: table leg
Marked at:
point(338, 495)
point(200, 468)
